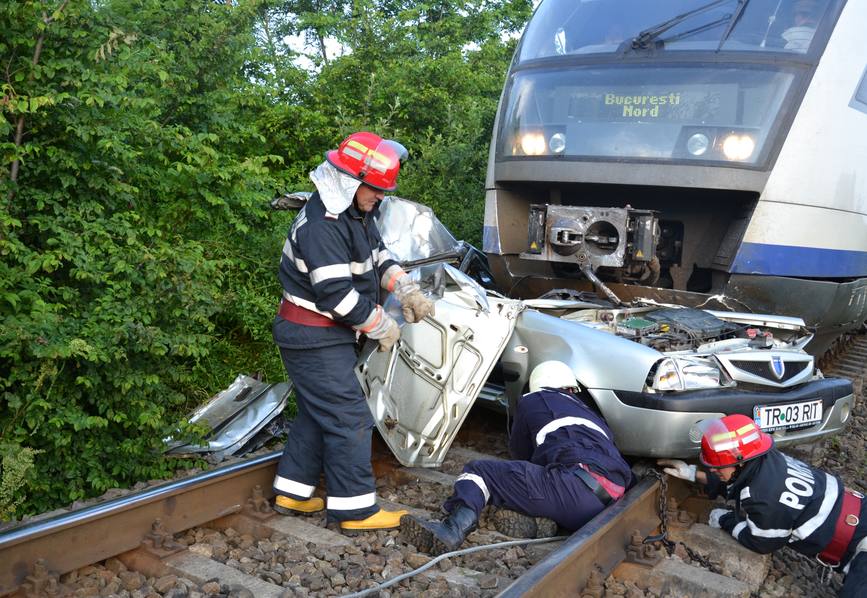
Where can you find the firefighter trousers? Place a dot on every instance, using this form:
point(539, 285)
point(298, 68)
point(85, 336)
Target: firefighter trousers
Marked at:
point(331, 433)
point(554, 491)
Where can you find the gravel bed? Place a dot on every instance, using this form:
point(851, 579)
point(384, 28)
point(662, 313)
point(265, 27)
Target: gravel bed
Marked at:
point(308, 569)
point(113, 579)
point(416, 494)
point(492, 442)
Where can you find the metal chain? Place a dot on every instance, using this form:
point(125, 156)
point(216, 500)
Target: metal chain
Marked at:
point(662, 507)
point(669, 545)
point(704, 562)
point(663, 503)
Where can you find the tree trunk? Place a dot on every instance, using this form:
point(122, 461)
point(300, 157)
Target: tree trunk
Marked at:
point(19, 126)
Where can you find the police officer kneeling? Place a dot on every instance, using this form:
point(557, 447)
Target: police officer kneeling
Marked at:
point(784, 501)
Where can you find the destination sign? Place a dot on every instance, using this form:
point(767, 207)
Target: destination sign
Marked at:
point(642, 105)
point(710, 104)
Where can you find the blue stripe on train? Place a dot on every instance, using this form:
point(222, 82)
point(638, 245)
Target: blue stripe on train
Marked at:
point(789, 260)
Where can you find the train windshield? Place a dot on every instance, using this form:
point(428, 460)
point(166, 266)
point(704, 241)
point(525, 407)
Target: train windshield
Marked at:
point(714, 113)
point(567, 27)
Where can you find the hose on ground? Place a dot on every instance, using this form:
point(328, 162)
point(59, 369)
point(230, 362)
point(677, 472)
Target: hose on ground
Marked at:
point(431, 563)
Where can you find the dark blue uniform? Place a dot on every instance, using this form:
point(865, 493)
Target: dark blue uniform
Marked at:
point(781, 501)
point(333, 266)
point(553, 435)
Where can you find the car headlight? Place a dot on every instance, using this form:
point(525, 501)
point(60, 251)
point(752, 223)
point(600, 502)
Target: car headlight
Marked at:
point(675, 373)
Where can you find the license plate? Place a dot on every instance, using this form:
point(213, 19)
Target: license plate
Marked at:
point(791, 416)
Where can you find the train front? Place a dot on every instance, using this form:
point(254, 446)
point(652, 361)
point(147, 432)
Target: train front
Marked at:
point(699, 153)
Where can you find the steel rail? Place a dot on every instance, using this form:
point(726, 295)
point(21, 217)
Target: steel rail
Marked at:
point(85, 536)
point(601, 542)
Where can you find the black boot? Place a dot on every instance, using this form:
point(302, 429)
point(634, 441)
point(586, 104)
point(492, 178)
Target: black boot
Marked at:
point(519, 525)
point(437, 537)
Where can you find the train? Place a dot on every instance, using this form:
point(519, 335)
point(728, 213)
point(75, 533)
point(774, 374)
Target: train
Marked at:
point(706, 154)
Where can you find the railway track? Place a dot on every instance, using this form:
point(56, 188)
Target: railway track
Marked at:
point(216, 534)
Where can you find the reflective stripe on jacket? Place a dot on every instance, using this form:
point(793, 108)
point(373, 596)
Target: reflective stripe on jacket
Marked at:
point(334, 265)
point(783, 502)
point(557, 428)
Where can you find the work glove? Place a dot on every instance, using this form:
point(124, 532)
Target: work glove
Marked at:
point(385, 330)
point(678, 469)
point(414, 304)
point(715, 516)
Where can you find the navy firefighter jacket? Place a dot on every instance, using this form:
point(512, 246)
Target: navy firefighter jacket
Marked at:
point(334, 265)
point(555, 428)
point(784, 502)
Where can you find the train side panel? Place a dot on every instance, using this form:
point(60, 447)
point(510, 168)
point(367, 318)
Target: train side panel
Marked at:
point(811, 219)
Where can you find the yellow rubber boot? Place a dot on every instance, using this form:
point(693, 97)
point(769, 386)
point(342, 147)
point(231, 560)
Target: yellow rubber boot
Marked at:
point(382, 519)
point(290, 506)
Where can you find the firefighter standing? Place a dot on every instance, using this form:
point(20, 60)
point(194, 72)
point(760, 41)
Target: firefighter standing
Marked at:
point(784, 501)
point(335, 273)
point(567, 469)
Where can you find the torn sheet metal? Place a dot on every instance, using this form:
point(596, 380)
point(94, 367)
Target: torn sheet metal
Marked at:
point(291, 201)
point(236, 415)
point(421, 391)
point(768, 320)
point(433, 280)
point(470, 287)
point(412, 232)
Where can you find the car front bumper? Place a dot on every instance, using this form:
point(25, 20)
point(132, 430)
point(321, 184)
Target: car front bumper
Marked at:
point(663, 425)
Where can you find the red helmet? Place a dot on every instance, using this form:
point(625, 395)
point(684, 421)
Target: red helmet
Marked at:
point(731, 440)
point(370, 159)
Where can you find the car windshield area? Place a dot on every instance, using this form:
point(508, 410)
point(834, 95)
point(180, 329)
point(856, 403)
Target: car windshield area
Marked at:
point(567, 27)
point(699, 113)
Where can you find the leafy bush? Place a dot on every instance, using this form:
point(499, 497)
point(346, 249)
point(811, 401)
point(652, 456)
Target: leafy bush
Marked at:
point(15, 463)
point(142, 142)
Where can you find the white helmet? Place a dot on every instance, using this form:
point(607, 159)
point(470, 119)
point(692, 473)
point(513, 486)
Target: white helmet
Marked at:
point(552, 374)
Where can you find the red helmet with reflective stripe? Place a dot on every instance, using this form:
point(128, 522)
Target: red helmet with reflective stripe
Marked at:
point(731, 440)
point(370, 159)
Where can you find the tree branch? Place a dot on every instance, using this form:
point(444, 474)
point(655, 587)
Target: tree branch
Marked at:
point(19, 126)
point(322, 52)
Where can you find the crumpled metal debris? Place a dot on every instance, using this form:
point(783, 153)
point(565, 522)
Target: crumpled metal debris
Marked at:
point(412, 232)
point(291, 201)
point(236, 415)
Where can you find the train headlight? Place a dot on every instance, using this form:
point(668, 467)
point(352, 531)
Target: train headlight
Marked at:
point(557, 143)
point(533, 144)
point(738, 147)
point(697, 144)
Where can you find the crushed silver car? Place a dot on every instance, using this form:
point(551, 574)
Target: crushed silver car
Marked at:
point(653, 371)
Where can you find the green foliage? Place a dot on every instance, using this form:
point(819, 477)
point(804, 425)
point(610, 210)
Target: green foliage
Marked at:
point(428, 74)
point(140, 144)
point(123, 239)
point(15, 463)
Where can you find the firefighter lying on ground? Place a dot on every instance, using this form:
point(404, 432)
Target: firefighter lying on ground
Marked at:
point(567, 470)
point(784, 501)
point(333, 270)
